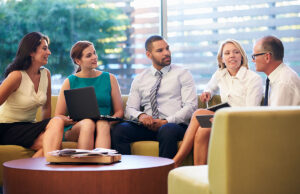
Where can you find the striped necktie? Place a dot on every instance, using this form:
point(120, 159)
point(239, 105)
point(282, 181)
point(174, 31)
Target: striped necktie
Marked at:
point(153, 94)
point(266, 93)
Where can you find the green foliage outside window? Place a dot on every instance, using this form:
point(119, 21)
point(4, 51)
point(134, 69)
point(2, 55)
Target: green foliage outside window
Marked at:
point(65, 22)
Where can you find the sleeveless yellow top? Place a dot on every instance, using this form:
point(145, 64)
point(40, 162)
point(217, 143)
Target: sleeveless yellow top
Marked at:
point(22, 105)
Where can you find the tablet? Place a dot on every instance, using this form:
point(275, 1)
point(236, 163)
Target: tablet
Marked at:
point(204, 120)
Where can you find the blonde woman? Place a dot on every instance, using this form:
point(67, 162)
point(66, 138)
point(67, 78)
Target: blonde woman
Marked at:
point(237, 85)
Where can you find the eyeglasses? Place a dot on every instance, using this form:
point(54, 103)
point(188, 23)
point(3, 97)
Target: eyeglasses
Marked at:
point(255, 55)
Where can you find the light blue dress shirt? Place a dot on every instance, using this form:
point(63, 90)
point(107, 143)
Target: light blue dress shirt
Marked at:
point(176, 97)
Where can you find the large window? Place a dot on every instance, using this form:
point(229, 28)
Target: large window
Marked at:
point(119, 28)
point(196, 28)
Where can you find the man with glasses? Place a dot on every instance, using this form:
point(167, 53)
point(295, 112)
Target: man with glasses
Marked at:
point(283, 83)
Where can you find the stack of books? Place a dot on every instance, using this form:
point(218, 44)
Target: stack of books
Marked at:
point(98, 155)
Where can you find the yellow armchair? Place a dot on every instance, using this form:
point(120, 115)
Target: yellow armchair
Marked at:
point(252, 150)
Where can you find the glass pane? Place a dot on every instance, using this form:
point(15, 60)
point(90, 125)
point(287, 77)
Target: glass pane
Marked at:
point(197, 27)
point(145, 22)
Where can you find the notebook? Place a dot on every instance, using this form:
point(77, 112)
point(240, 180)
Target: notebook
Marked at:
point(204, 120)
point(82, 104)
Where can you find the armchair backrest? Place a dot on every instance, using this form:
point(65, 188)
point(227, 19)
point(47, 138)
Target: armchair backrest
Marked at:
point(255, 150)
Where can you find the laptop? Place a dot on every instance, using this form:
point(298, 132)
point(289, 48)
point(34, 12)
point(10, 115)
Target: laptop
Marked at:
point(82, 104)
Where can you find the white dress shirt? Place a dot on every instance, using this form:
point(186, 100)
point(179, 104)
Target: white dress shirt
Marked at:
point(176, 97)
point(244, 89)
point(284, 88)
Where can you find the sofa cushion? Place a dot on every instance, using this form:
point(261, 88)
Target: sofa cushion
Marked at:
point(69, 144)
point(12, 152)
point(146, 148)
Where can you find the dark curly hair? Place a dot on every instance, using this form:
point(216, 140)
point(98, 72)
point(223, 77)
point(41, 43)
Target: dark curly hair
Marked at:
point(27, 45)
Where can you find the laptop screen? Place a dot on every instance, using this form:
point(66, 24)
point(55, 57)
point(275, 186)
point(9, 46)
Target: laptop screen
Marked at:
point(82, 103)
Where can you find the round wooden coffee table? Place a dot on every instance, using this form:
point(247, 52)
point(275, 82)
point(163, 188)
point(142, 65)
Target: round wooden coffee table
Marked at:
point(134, 174)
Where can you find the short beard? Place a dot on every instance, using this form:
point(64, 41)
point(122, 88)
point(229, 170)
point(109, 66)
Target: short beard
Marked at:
point(161, 64)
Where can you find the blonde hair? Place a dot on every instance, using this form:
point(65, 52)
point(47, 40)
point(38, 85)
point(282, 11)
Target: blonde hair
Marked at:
point(244, 61)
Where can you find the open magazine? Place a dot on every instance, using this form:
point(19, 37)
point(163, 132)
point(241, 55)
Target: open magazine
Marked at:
point(98, 155)
point(77, 153)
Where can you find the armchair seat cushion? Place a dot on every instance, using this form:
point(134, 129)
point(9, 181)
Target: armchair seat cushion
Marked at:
point(188, 179)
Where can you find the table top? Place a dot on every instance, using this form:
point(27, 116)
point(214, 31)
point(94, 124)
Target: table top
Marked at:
point(128, 162)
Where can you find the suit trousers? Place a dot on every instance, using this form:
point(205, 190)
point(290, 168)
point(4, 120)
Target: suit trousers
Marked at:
point(168, 135)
